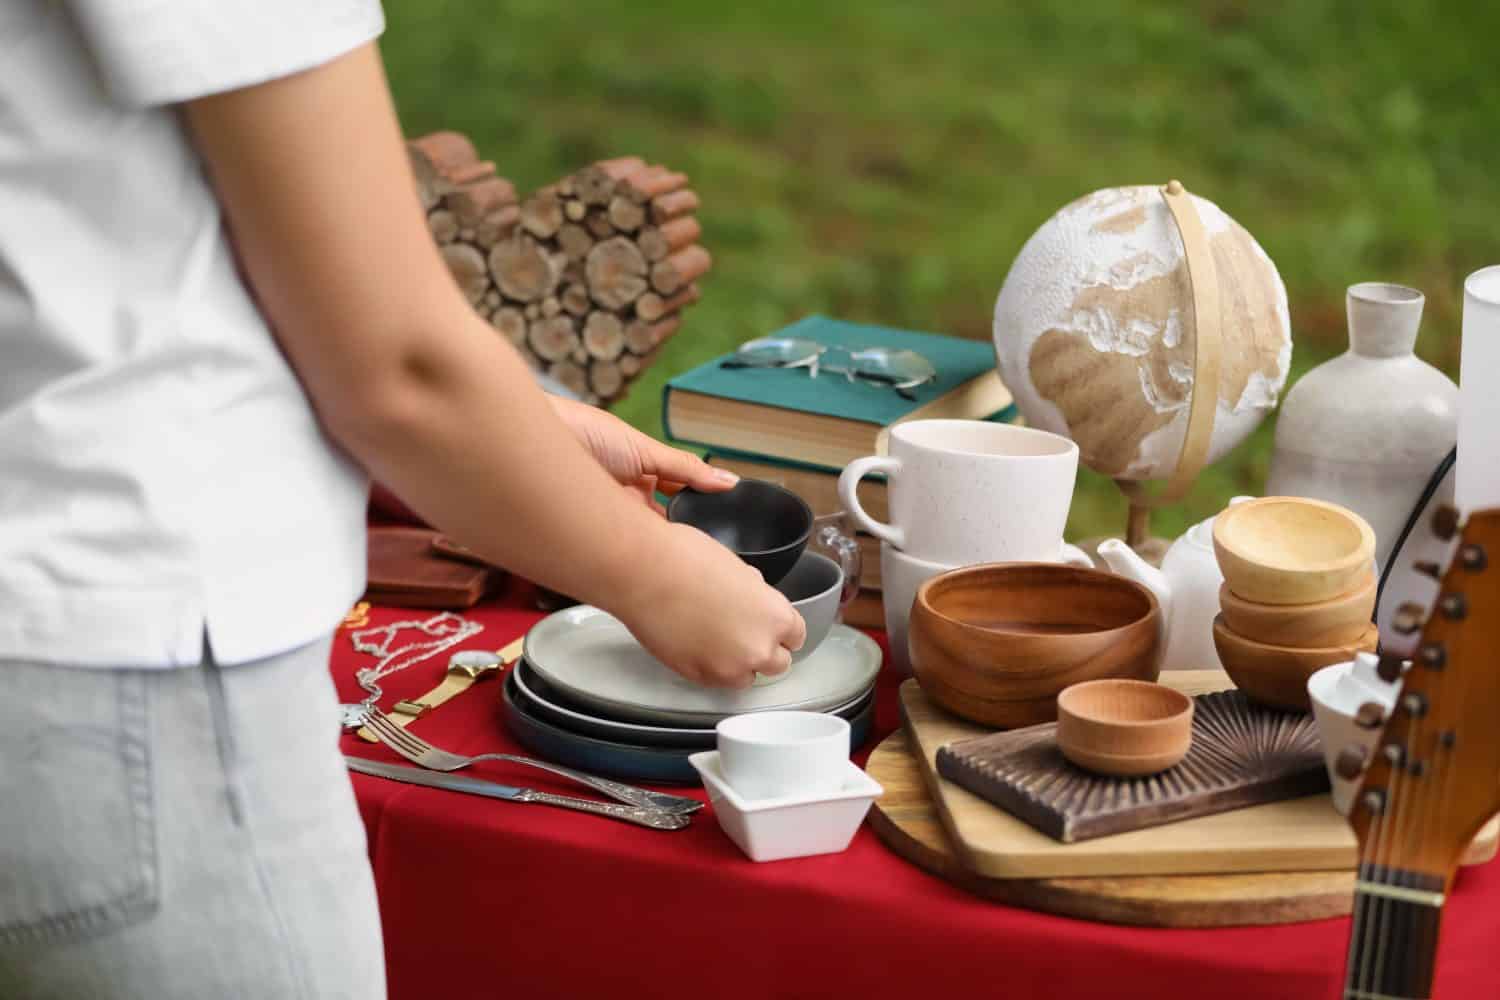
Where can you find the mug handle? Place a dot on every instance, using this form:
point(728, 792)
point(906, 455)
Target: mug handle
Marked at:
point(851, 561)
point(848, 496)
point(1072, 555)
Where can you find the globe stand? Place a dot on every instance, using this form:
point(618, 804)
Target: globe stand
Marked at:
point(1203, 282)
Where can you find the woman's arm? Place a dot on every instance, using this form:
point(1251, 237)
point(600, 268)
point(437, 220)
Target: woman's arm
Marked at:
point(313, 176)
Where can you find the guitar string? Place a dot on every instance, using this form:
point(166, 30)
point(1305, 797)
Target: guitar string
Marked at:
point(1399, 781)
point(1367, 902)
point(1376, 906)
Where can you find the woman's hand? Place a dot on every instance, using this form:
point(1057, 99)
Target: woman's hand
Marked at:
point(707, 614)
point(638, 461)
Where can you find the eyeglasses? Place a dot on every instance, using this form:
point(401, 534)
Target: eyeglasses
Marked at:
point(901, 370)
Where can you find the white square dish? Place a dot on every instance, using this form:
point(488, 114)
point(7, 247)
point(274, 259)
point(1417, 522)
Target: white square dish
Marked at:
point(792, 827)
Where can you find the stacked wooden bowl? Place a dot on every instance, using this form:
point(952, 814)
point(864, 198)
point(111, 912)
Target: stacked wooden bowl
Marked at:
point(1298, 594)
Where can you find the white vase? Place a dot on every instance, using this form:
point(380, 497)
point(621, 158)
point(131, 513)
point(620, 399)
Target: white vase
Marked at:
point(1366, 429)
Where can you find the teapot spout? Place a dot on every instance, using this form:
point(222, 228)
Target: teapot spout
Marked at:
point(1124, 561)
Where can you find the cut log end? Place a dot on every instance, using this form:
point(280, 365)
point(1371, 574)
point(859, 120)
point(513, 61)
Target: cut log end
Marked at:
point(542, 214)
point(575, 299)
point(616, 273)
point(512, 323)
point(574, 241)
point(603, 335)
point(594, 185)
point(443, 225)
point(466, 264)
point(552, 338)
point(524, 271)
point(625, 215)
point(606, 379)
point(572, 375)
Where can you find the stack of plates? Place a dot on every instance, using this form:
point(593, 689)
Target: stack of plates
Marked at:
point(586, 694)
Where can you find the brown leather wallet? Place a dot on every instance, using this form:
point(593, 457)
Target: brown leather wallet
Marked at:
point(406, 568)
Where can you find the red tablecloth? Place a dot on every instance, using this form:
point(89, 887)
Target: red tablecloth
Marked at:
point(488, 899)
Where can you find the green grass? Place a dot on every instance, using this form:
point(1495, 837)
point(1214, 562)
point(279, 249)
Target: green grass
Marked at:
point(884, 161)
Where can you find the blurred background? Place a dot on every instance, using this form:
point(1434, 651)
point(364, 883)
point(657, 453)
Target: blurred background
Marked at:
point(884, 161)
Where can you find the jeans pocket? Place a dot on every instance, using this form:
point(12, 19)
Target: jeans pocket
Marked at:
point(77, 828)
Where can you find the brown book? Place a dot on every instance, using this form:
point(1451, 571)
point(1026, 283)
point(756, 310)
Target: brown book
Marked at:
point(1242, 755)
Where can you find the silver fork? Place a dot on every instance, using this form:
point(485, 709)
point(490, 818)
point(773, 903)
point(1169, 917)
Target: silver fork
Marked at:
point(419, 751)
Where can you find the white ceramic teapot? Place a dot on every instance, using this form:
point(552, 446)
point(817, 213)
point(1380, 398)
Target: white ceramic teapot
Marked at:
point(1186, 587)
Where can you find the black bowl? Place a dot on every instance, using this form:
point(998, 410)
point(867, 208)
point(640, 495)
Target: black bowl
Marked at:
point(764, 524)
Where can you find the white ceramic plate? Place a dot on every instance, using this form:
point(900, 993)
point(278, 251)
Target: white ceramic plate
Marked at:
point(589, 655)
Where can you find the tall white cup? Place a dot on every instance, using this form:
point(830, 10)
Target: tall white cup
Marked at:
point(900, 576)
point(968, 491)
point(1477, 473)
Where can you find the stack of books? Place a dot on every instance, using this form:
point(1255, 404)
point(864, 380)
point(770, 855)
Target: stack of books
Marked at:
point(784, 426)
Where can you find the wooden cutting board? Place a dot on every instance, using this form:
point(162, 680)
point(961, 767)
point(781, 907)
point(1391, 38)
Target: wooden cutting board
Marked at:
point(1243, 754)
point(1304, 834)
point(907, 821)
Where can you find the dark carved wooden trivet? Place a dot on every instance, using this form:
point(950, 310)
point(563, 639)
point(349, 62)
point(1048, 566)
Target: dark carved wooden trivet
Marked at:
point(1242, 755)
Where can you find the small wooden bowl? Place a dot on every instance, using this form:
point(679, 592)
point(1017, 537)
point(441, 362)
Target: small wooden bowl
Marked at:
point(1334, 622)
point(1124, 728)
point(1277, 675)
point(1291, 550)
point(996, 643)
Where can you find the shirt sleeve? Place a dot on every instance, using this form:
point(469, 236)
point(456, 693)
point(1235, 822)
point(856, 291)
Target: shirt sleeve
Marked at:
point(153, 52)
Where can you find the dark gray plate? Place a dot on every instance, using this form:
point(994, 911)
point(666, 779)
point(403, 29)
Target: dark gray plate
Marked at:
point(549, 704)
point(667, 765)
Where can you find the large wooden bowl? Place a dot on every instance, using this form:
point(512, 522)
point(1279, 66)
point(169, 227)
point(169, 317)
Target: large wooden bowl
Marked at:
point(1277, 675)
point(1291, 550)
point(1334, 622)
point(996, 643)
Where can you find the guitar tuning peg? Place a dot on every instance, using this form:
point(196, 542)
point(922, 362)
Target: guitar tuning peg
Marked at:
point(1454, 606)
point(1445, 521)
point(1390, 668)
point(1371, 715)
point(1428, 569)
point(1473, 558)
point(1408, 618)
point(1350, 763)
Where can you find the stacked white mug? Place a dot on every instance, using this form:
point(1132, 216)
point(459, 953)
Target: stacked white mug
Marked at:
point(963, 492)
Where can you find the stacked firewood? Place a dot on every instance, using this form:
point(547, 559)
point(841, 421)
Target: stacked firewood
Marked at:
point(587, 277)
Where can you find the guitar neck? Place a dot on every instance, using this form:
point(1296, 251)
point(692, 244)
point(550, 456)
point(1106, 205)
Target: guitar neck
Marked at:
point(1394, 935)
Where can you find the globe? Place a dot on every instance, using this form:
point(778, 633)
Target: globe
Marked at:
point(1094, 331)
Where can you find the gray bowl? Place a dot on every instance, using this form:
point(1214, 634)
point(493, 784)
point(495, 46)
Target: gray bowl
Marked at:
point(814, 586)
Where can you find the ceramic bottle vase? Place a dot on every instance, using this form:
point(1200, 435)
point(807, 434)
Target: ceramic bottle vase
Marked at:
point(1367, 428)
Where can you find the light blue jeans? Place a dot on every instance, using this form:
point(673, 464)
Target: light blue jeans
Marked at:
point(181, 833)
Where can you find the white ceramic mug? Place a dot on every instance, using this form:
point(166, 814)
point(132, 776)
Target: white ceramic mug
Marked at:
point(968, 491)
point(900, 576)
point(773, 755)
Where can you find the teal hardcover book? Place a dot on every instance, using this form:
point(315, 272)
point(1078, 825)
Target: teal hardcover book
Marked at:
point(828, 421)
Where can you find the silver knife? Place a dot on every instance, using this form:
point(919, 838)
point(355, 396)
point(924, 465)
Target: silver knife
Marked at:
point(653, 818)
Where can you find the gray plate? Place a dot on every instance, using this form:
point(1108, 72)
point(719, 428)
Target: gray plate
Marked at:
point(623, 760)
point(541, 700)
point(589, 656)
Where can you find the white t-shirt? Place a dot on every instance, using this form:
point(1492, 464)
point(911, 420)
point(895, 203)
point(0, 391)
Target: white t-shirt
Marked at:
point(161, 471)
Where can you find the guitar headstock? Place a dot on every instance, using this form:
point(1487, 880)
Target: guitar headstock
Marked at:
point(1434, 777)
